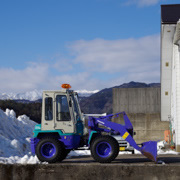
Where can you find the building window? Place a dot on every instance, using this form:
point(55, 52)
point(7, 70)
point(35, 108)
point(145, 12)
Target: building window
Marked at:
point(167, 64)
point(166, 93)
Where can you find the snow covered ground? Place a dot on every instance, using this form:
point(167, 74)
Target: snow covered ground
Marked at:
point(15, 136)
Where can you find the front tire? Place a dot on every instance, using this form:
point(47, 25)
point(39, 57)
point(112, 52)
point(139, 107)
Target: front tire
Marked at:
point(64, 155)
point(50, 150)
point(104, 149)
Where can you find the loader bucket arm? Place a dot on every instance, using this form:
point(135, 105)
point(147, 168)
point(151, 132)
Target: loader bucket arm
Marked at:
point(148, 149)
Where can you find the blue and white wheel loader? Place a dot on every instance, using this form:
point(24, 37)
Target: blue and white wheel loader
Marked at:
point(62, 130)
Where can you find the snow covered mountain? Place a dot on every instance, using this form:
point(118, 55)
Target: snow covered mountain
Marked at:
point(31, 95)
point(37, 94)
point(86, 93)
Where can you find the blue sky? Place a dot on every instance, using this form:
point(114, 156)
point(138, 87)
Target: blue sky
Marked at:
point(91, 44)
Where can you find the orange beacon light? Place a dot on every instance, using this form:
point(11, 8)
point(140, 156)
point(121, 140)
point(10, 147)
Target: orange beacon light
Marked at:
point(66, 86)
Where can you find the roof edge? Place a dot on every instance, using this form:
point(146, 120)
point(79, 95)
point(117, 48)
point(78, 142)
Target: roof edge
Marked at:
point(170, 4)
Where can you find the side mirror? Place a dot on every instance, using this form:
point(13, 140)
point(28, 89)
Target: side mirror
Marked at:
point(70, 103)
point(134, 133)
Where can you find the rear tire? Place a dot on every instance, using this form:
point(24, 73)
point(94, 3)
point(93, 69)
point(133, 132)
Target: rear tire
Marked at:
point(50, 150)
point(104, 149)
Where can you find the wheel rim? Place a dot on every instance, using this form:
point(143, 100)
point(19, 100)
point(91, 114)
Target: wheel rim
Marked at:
point(103, 149)
point(48, 150)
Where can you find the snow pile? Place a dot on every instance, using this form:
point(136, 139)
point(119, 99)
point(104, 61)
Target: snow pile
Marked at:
point(15, 134)
point(27, 159)
point(160, 146)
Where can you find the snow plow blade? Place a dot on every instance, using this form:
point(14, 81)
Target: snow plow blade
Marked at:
point(149, 149)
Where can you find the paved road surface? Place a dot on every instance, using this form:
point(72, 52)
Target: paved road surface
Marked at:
point(128, 159)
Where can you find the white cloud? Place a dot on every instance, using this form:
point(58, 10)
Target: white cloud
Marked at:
point(12, 80)
point(78, 81)
point(138, 59)
point(38, 76)
point(142, 3)
point(94, 64)
point(61, 64)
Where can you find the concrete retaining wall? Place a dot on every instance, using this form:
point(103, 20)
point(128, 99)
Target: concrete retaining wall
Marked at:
point(137, 100)
point(148, 127)
point(142, 106)
point(88, 172)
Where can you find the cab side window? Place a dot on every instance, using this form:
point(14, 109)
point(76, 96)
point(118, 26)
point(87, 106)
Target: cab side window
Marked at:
point(62, 108)
point(48, 108)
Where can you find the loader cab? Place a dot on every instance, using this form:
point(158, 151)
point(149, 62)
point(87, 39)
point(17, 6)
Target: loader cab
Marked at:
point(61, 111)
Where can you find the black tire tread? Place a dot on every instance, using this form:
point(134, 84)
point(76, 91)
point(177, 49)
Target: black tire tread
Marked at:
point(65, 153)
point(114, 145)
point(59, 145)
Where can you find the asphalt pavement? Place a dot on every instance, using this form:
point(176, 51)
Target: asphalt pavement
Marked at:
point(129, 159)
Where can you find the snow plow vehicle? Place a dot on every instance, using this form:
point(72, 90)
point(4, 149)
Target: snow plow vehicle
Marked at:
point(62, 130)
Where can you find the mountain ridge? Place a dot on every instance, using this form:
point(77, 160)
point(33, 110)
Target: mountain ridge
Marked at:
point(101, 102)
point(97, 103)
point(35, 95)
